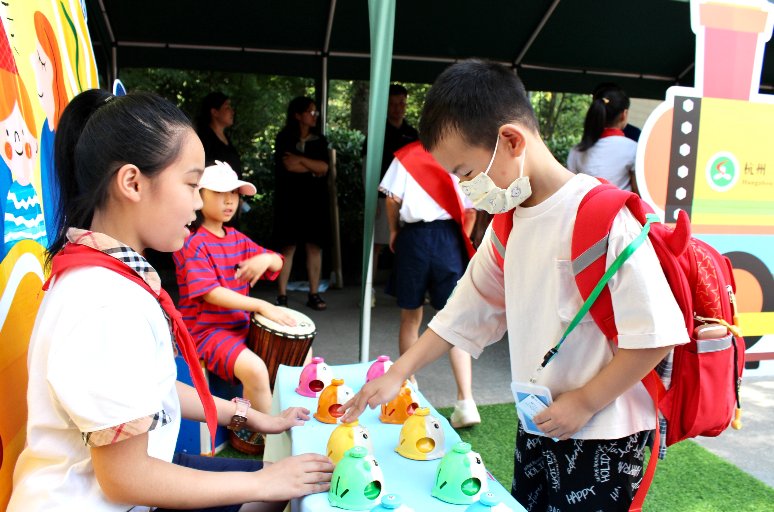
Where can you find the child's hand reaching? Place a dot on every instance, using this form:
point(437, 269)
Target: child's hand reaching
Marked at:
point(290, 417)
point(294, 477)
point(565, 416)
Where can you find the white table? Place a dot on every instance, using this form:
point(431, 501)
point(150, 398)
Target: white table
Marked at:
point(411, 480)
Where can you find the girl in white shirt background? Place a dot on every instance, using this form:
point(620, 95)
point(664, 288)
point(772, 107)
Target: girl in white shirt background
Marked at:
point(604, 151)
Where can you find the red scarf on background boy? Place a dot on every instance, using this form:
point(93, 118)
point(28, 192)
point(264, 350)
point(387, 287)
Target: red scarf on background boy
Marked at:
point(438, 184)
point(76, 255)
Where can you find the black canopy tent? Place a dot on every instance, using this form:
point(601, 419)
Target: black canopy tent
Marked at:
point(570, 45)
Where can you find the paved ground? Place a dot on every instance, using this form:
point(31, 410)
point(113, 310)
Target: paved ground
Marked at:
point(337, 341)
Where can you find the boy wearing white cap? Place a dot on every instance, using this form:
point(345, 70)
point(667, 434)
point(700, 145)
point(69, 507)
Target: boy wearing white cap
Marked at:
point(215, 269)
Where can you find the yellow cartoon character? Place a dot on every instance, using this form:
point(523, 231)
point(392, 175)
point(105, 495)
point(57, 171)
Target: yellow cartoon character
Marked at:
point(344, 437)
point(421, 437)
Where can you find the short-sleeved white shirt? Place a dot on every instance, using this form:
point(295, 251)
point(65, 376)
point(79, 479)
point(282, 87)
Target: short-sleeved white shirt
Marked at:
point(416, 205)
point(536, 298)
point(100, 355)
point(611, 158)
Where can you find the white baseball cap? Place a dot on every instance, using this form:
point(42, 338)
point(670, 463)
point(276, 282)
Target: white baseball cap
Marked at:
point(220, 177)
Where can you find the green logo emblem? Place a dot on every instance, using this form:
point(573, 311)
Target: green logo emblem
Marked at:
point(722, 171)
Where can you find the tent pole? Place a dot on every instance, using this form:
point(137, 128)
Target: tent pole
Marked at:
point(381, 17)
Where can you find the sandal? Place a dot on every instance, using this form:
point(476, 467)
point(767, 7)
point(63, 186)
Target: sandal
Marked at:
point(316, 302)
point(282, 300)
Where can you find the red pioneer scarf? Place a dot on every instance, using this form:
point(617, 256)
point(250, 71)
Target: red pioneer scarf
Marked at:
point(438, 184)
point(77, 255)
point(612, 132)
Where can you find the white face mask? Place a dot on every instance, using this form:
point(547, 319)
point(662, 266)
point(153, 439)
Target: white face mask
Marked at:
point(486, 195)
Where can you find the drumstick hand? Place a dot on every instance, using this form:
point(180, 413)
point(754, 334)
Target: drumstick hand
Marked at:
point(276, 314)
point(253, 268)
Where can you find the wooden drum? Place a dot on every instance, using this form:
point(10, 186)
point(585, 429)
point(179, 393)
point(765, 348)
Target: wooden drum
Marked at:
point(281, 344)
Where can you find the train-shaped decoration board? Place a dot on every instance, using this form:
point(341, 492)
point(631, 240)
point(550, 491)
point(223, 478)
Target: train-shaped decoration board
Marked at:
point(708, 150)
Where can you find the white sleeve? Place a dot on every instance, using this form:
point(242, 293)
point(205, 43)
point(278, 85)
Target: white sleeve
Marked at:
point(474, 315)
point(394, 182)
point(646, 313)
point(98, 369)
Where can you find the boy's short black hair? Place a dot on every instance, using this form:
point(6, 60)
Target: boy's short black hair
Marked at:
point(397, 89)
point(474, 98)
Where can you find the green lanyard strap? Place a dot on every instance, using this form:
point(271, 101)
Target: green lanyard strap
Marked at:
point(617, 264)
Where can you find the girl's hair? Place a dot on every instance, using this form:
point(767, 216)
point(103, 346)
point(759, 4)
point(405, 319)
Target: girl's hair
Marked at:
point(98, 133)
point(604, 111)
point(212, 100)
point(47, 40)
point(297, 105)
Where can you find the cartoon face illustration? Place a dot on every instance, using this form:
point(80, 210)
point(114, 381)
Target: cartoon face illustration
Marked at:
point(400, 408)
point(346, 436)
point(330, 401)
point(461, 476)
point(314, 378)
point(421, 437)
point(19, 146)
point(44, 77)
point(357, 482)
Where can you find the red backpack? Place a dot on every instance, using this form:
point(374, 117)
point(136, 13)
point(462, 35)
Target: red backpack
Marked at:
point(703, 396)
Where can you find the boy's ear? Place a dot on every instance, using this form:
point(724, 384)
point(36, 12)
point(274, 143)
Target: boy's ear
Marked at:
point(129, 182)
point(514, 140)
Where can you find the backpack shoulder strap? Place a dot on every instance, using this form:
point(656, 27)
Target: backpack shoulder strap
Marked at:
point(595, 216)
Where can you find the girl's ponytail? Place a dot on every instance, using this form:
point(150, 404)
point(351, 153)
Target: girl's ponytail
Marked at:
point(70, 210)
point(604, 112)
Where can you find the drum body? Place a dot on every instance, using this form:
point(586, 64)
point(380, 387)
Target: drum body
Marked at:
point(281, 344)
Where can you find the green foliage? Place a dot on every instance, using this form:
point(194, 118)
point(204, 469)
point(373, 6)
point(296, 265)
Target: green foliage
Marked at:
point(560, 116)
point(260, 103)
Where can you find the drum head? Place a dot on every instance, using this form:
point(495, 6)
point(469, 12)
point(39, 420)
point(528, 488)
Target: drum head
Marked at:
point(304, 327)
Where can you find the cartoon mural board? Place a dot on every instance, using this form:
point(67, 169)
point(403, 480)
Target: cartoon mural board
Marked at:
point(707, 150)
point(45, 59)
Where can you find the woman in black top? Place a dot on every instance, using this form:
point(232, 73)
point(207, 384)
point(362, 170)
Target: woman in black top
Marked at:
point(215, 115)
point(301, 214)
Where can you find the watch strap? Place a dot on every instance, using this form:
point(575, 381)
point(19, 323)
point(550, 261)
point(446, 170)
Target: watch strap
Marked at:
point(239, 418)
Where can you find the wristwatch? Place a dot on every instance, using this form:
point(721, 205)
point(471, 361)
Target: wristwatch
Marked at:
point(239, 418)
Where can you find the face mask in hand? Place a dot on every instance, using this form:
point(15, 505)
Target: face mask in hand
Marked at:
point(486, 195)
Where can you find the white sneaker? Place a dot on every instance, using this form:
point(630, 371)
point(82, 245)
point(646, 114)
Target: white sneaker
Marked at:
point(465, 414)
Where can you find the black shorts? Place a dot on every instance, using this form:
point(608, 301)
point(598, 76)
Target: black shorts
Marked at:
point(577, 475)
point(428, 258)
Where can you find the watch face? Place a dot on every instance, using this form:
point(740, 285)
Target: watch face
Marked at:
point(237, 422)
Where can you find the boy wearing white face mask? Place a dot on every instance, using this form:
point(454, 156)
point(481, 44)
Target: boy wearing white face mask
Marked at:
point(601, 414)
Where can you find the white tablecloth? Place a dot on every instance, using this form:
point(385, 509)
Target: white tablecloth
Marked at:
point(411, 480)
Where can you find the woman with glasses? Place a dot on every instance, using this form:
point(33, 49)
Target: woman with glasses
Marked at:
point(301, 214)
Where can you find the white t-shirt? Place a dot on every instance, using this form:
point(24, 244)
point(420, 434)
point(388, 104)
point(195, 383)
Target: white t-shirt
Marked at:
point(416, 205)
point(537, 297)
point(100, 355)
point(611, 158)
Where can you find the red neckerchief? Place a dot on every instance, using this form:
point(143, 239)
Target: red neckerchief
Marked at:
point(77, 255)
point(438, 184)
point(612, 132)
